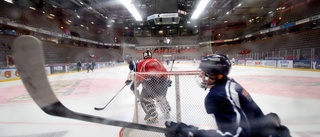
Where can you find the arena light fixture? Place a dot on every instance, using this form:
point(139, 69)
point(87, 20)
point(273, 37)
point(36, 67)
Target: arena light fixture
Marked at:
point(9, 1)
point(200, 7)
point(132, 9)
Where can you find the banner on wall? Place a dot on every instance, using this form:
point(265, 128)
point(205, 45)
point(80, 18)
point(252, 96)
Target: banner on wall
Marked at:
point(7, 74)
point(241, 62)
point(253, 62)
point(302, 64)
point(269, 63)
point(285, 64)
point(58, 69)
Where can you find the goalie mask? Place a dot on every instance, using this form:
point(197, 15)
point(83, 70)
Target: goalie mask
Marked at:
point(214, 68)
point(147, 54)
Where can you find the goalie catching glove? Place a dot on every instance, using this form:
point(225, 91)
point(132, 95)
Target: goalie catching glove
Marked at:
point(180, 129)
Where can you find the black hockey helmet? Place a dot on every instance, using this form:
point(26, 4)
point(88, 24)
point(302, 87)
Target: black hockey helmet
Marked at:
point(147, 54)
point(215, 64)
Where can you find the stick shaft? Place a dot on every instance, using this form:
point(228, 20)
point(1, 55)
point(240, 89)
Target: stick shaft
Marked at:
point(96, 108)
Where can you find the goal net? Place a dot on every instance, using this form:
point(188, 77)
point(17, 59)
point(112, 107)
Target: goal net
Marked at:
point(184, 96)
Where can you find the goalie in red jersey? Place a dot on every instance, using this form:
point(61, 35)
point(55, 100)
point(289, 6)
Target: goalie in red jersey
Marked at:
point(154, 87)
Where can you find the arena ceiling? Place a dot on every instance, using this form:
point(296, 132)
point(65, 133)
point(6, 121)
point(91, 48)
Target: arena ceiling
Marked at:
point(218, 13)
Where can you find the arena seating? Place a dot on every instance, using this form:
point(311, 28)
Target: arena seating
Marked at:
point(288, 44)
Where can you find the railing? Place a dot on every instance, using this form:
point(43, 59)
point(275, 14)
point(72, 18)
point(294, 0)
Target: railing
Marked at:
point(290, 54)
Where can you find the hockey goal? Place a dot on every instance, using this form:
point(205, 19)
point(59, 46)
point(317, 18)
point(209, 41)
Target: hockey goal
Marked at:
point(186, 100)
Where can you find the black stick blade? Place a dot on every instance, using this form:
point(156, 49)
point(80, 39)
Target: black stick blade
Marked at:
point(98, 108)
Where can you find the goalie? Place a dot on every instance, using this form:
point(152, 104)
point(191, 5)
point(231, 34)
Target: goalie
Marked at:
point(154, 87)
point(236, 113)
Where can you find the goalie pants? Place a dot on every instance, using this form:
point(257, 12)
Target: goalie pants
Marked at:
point(154, 90)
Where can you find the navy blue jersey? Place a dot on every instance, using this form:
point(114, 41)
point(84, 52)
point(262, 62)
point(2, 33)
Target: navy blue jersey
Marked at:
point(133, 65)
point(235, 112)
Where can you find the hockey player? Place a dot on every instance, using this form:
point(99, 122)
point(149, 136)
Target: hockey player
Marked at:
point(132, 67)
point(88, 65)
point(93, 64)
point(154, 87)
point(235, 112)
point(79, 65)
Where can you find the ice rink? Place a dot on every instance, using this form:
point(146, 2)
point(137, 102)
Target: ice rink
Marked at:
point(292, 94)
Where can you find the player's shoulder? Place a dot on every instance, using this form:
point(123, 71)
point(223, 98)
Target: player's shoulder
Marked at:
point(142, 61)
point(149, 60)
point(153, 58)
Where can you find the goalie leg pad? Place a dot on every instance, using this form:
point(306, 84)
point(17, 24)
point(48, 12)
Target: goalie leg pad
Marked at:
point(150, 109)
point(164, 106)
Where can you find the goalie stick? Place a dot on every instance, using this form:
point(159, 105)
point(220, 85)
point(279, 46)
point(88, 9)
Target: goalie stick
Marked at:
point(29, 59)
point(96, 108)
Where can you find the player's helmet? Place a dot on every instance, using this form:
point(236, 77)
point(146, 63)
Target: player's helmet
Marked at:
point(147, 54)
point(127, 58)
point(215, 64)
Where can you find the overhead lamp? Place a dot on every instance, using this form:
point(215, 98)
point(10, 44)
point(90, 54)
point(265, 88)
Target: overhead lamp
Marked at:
point(132, 9)
point(9, 1)
point(201, 6)
point(32, 8)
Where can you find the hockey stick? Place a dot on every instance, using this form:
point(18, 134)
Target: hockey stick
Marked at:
point(172, 65)
point(96, 108)
point(29, 59)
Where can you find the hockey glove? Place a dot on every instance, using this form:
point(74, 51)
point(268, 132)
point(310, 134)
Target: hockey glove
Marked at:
point(281, 131)
point(180, 129)
point(278, 130)
point(128, 82)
